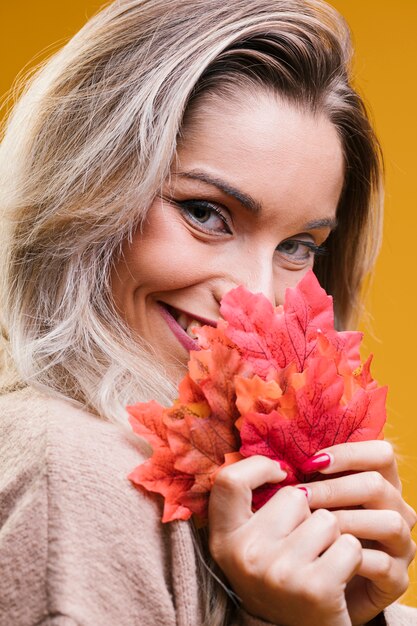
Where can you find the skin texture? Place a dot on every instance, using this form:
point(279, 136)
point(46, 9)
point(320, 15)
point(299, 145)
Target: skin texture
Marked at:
point(288, 161)
point(341, 555)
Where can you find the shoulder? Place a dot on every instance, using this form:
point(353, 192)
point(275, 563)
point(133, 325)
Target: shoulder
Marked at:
point(400, 615)
point(37, 429)
point(69, 511)
point(46, 436)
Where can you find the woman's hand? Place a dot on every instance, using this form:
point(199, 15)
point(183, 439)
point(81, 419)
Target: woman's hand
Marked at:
point(287, 565)
point(383, 520)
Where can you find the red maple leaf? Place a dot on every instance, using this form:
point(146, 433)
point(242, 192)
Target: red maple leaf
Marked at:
point(280, 382)
point(315, 414)
point(272, 338)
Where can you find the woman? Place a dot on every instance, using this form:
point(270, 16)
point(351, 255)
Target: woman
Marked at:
point(168, 153)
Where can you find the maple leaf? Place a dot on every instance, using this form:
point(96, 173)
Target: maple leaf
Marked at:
point(256, 395)
point(272, 338)
point(322, 418)
point(276, 381)
point(158, 474)
point(191, 438)
point(199, 443)
point(213, 370)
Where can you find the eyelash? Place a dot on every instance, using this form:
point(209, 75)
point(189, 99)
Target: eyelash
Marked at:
point(312, 247)
point(187, 206)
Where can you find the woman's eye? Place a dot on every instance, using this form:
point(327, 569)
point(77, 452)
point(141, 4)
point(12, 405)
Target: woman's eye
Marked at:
point(299, 250)
point(205, 215)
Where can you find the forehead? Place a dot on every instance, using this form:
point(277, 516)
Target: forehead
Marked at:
point(282, 155)
point(257, 118)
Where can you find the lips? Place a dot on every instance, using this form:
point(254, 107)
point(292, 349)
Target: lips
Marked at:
point(181, 324)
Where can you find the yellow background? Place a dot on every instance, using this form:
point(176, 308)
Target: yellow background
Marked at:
point(386, 74)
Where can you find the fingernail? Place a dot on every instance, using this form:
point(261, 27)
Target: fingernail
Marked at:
point(283, 466)
point(284, 473)
point(306, 490)
point(317, 462)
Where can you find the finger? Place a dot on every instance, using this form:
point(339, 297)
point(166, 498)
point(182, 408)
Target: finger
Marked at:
point(284, 512)
point(358, 456)
point(230, 503)
point(315, 535)
point(367, 489)
point(388, 528)
point(341, 561)
point(389, 575)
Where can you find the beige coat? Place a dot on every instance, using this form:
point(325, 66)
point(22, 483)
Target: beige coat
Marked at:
point(79, 545)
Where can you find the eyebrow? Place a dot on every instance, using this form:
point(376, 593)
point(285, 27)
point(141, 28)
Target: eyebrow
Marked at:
point(245, 199)
point(326, 222)
point(248, 201)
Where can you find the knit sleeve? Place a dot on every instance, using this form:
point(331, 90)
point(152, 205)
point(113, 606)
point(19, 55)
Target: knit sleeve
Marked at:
point(78, 543)
point(23, 519)
point(400, 615)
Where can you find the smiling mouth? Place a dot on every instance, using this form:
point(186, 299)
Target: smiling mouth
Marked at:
point(187, 321)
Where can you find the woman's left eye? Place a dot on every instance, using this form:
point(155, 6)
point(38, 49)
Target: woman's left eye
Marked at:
point(205, 215)
point(300, 250)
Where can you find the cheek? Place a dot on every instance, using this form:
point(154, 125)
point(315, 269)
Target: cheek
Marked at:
point(171, 259)
point(285, 279)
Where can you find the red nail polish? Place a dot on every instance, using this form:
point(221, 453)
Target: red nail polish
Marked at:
point(284, 466)
point(317, 462)
point(306, 491)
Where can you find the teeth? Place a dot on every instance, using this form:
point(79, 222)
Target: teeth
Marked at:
point(189, 328)
point(186, 324)
point(183, 320)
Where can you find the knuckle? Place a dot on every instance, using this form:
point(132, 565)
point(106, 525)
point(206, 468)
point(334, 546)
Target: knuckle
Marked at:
point(376, 484)
point(296, 495)
point(228, 479)
point(403, 582)
point(327, 518)
point(248, 559)
point(353, 545)
point(385, 565)
point(396, 525)
point(280, 575)
point(386, 453)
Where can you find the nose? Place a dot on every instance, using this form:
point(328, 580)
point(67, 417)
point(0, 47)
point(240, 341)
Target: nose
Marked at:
point(255, 272)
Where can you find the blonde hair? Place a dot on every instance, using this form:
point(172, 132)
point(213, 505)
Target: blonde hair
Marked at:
point(90, 142)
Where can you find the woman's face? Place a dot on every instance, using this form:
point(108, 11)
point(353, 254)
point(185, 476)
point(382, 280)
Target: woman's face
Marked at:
point(252, 195)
